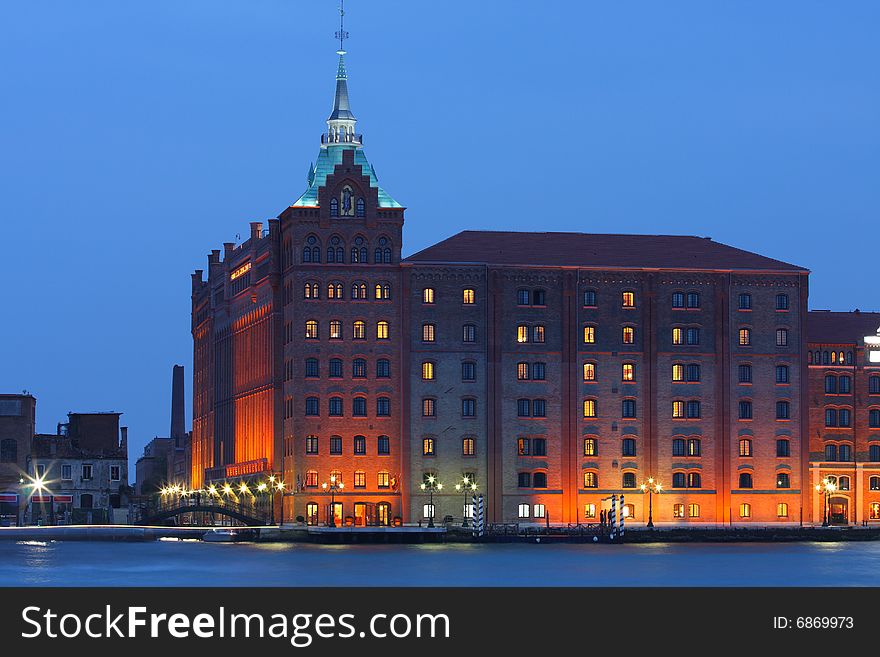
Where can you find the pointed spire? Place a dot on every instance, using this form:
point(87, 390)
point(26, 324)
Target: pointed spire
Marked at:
point(311, 176)
point(341, 108)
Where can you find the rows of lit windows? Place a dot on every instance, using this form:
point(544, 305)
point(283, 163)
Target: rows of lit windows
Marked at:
point(745, 510)
point(745, 337)
point(358, 291)
point(819, 357)
point(336, 251)
point(358, 407)
point(627, 334)
point(468, 407)
point(468, 296)
point(383, 479)
point(681, 300)
point(531, 371)
point(335, 368)
point(358, 330)
point(526, 333)
point(359, 445)
point(468, 446)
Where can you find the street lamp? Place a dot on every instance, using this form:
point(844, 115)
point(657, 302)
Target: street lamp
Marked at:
point(825, 489)
point(651, 487)
point(279, 487)
point(467, 486)
point(431, 485)
point(334, 485)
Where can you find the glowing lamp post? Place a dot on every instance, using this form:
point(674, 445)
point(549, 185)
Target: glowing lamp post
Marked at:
point(651, 487)
point(466, 486)
point(277, 486)
point(431, 485)
point(826, 489)
point(334, 485)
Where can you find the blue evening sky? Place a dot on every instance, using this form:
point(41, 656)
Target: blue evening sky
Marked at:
point(136, 136)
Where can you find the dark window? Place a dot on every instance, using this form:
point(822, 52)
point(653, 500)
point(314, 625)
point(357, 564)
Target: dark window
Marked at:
point(469, 407)
point(360, 208)
point(830, 452)
point(874, 453)
point(334, 208)
point(781, 302)
point(678, 300)
point(693, 300)
point(312, 367)
point(383, 368)
point(538, 298)
point(336, 406)
point(874, 418)
point(539, 480)
point(693, 336)
point(336, 368)
point(745, 301)
point(590, 298)
point(8, 450)
point(678, 447)
point(745, 480)
point(874, 385)
point(844, 385)
point(694, 480)
point(524, 480)
point(523, 407)
point(693, 372)
point(383, 406)
point(360, 445)
point(783, 447)
point(469, 333)
point(383, 445)
point(745, 373)
point(843, 416)
point(693, 409)
point(783, 480)
point(875, 483)
point(629, 480)
point(538, 371)
point(628, 447)
point(782, 374)
point(628, 409)
point(539, 447)
point(522, 297)
point(468, 371)
point(783, 410)
point(539, 408)
point(678, 480)
point(745, 410)
point(359, 368)
point(830, 417)
point(311, 406)
point(844, 453)
point(358, 407)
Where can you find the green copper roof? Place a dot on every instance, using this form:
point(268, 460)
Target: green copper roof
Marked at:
point(328, 158)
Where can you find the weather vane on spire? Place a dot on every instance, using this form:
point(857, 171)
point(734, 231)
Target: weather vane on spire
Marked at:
point(342, 35)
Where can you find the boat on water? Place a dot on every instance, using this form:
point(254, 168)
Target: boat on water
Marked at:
point(229, 535)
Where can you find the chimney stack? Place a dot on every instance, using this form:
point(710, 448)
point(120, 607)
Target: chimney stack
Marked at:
point(178, 421)
point(123, 443)
point(256, 230)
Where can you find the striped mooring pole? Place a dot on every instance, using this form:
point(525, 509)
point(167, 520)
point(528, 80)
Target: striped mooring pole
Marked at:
point(481, 526)
point(622, 518)
point(613, 520)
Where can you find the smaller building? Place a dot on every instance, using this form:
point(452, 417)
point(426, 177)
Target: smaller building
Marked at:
point(17, 419)
point(151, 469)
point(80, 473)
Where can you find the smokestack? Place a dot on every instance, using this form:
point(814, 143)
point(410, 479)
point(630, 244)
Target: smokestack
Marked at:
point(178, 422)
point(123, 444)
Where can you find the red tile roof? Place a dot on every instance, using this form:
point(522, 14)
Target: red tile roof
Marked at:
point(826, 327)
point(596, 251)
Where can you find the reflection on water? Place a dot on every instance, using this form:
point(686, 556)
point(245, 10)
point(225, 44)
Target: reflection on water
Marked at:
point(185, 563)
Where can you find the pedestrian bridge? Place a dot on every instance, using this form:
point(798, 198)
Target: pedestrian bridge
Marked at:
point(206, 514)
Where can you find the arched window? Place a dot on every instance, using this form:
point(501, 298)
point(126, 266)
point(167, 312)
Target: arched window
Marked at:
point(694, 480)
point(589, 371)
point(312, 250)
point(86, 501)
point(359, 330)
point(358, 290)
point(427, 371)
point(874, 453)
point(745, 447)
point(843, 483)
point(783, 480)
point(311, 329)
point(745, 480)
point(591, 480)
point(875, 483)
point(334, 290)
point(383, 291)
point(361, 207)
point(539, 480)
point(874, 385)
point(334, 207)
point(678, 480)
point(783, 447)
point(382, 330)
point(629, 480)
point(311, 291)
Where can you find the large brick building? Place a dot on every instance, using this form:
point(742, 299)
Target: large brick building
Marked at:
point(551, 369)
point(844, 408)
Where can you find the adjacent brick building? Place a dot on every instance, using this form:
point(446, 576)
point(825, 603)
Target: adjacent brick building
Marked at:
point(551, 369)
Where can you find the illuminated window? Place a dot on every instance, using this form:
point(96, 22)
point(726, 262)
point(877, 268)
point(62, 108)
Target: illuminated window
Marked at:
point(782, 337)
point(383, 291)
point(591, 480)
point(383, 479)
point(468, 333)
point(538, 333)
point(359, 290)
point(589, 371)
point(428, 511)
point(693, 510)
point(310, 291)
point(677, 408)
point(468, 296)
point(589, 408)
point(590, 298)
point(677, 335)
point(428, 295)
point(335, 329)
point(745, 447)
point(359, 330)
point(382, 330)
point(427, 333)
point(590, 447)
point(311, 444)
point(427, 371)
point(468, 446)
point(524, 510)
point(589, 511)
point(783, 480)
point(427, 408)
point(312, 479)
point(629, 335)
point(629, 300)
point(875, 510)
point(678, 510)
point(694, 480)
point(678, 372)
point(428, 447)
point(311, 329)
point(782, 510)
point(360, 479)
point(628, 480)
point(694, 447)
point(312, 513)
point(522, 446)
point(745, 337)
point(334, 290)
point(745, 510)
point(843, 483)
point(629, 372)
point(522, 333)
point(522, 371)
point(589, 335)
